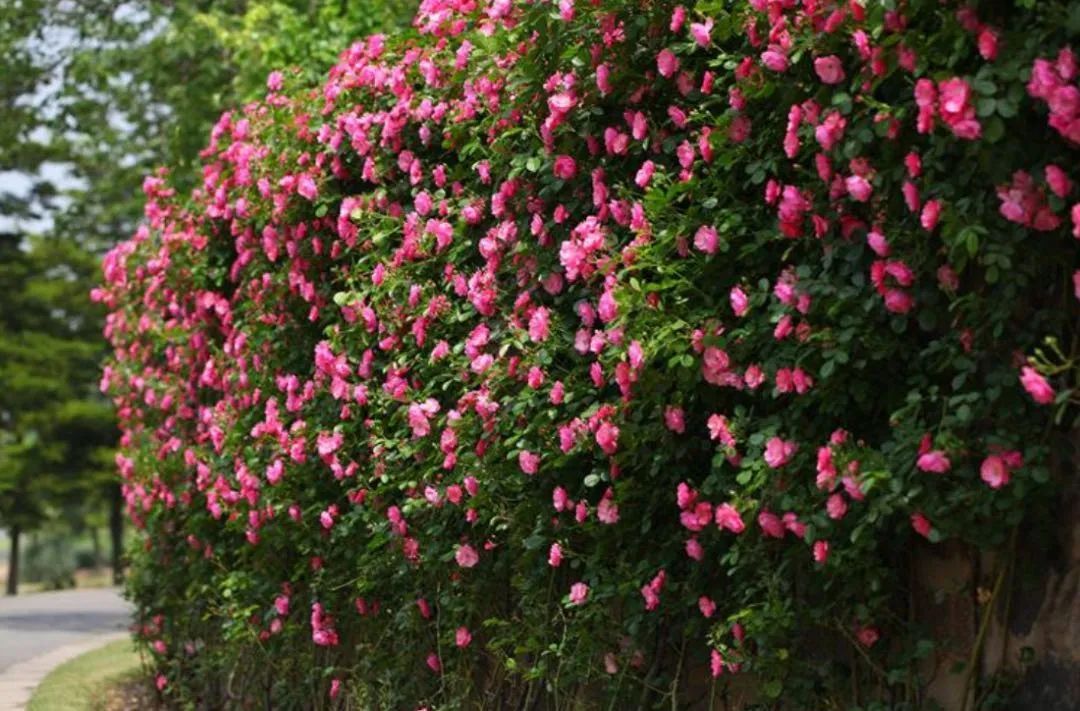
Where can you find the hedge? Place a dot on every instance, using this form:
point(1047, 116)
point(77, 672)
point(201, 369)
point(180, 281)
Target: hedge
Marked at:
point(602, 355)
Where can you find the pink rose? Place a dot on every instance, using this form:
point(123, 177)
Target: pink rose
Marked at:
point(728, 518)
point(700, 31)
point(1058, 181)
point(607, 436)
point(645, 174)
point(770, 524)
point(579, 593)
point(994, 472)
point(565, 167)
point(555, 555)
point(934, 461)
point(988, 44)
point(930, 213)
point(528, 461)
point(466, 556)
point(829, 69)
point(836, 507)
point(921, 524)
point(859, 188)
point(740, 303)
point(667, 63)
point(779, 452)
point(674, 419)
point(706, 239)
point(1036, 385)
point(538, 325)
point(867, 636)
point(775, 59)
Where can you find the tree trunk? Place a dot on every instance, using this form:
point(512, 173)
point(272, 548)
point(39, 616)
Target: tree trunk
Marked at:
point(13, 562)
point(116, 532)
point(95, 542)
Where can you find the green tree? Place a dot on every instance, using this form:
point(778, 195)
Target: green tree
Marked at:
point(93, 95)
point(51, 418)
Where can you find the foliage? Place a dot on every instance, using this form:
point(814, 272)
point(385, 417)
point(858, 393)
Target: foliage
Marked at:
point(53, 425)
point(575, 354)
point(92, 94)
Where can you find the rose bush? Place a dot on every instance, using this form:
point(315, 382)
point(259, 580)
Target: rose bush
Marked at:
point(601, 354)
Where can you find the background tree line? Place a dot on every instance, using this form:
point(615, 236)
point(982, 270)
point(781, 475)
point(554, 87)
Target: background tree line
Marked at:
point(94, 94)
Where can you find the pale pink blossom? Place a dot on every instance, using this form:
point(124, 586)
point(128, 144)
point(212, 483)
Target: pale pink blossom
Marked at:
point(579, 593)
point(674, 419)
point(706, 239)
point(934, 461)
point(728, 518)
point(555, 555)
point(607, 436)
point(836, 507)
point(740, 303)
point(700, 31)
point(528, 461)
point(779, 452)
point(466, 556)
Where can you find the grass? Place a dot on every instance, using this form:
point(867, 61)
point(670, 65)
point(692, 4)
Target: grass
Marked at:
point(85, 683)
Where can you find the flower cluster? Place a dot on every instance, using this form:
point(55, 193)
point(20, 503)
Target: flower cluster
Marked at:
point(551, 339)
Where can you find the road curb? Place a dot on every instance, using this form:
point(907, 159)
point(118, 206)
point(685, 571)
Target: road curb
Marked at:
point(17, 682)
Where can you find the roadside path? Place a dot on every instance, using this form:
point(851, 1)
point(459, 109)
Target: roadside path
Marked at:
point(40, 631)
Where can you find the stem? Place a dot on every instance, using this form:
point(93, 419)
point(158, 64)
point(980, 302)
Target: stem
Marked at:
point(675, 680)
point(1010, 567)
point(984, 624)
point(862, 652)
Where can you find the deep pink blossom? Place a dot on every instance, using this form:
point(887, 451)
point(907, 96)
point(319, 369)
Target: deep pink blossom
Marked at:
point(565, 167)
point(921, 524)
point(770, 524)
point(1036, 385)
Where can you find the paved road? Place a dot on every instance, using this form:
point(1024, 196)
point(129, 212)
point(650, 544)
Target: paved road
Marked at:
point(33, 624)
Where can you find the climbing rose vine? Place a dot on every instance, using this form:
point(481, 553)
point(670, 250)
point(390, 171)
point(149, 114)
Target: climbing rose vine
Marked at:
point(600, 353)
